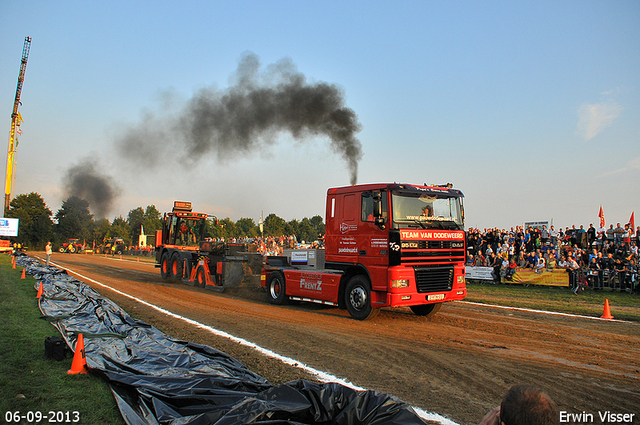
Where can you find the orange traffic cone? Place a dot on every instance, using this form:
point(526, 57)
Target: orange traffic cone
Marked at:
point(13, 264)
point(39, 291)
point(121, 257)
point(79, 364)
point(607, 312)
point(137, 259)
point(24, 275)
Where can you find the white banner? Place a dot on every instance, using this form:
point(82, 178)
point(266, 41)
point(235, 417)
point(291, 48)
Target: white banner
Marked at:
point(9, 226)
point(479, 273)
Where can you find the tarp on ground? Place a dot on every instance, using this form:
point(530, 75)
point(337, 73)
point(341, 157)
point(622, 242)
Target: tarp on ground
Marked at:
point(157, 379)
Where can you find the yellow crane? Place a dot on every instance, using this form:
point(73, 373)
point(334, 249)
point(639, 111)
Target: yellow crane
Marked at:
point(15, 124)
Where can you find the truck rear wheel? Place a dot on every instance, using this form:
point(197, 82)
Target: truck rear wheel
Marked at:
point(165, 271)
point(426, 309)
point(176, 267)
point(276, 288)
point(201, 279)
point(358, 298)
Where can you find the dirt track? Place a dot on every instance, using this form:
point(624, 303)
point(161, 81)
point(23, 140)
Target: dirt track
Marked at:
point(458, 364)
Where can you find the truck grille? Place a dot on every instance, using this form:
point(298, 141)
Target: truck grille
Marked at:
point(433, 278)
point(428, 256)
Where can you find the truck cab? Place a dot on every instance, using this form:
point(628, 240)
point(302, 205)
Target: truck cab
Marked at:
point(388, 245)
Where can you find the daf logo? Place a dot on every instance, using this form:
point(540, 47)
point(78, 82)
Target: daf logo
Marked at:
point(394, 246)
point(344, 227)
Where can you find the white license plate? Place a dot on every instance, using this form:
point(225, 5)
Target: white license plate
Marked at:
point(435, 297)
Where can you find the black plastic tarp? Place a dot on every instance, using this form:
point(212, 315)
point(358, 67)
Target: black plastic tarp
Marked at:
point(157, 379)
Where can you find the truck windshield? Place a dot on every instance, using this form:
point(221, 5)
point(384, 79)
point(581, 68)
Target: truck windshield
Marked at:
point(425, 211)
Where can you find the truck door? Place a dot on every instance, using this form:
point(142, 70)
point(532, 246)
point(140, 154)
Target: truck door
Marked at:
point(373, 238)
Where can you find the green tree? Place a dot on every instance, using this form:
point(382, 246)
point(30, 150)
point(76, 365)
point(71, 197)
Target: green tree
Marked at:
point(274, 225)
point(292, 227)
point(74, 220)
point(121, 229)
point(246, 227)
point(135, 221)
point(101, 230)
point(152, 220)
point(228, 228)
point(306, 232)
point(318, 224)
point(35, 225)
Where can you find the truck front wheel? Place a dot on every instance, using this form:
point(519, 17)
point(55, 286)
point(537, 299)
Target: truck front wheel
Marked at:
point(276, 288)
point(358, 298)
point(426, 309)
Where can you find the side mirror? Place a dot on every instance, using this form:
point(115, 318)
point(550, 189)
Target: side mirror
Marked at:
point(377, 210)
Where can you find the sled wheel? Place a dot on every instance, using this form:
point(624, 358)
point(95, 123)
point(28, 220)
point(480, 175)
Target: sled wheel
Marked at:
point(201, 279)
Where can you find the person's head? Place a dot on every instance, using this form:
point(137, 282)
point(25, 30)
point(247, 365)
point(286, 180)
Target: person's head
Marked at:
point(528, 405)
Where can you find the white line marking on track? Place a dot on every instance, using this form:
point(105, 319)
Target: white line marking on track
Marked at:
point(554, 313)
point(320, 375)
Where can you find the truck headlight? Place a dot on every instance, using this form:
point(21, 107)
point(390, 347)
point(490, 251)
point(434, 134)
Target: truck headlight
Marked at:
point(400, 283)
point(461, 279)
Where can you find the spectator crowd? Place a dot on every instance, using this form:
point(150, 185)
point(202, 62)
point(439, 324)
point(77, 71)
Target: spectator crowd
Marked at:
point(597, 258)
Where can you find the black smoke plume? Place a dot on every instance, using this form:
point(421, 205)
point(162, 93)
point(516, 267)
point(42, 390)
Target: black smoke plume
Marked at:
point(246, 118)
point(85, 181)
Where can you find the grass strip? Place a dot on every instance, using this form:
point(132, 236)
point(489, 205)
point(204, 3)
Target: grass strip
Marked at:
point(624, 305)
point(29, 381)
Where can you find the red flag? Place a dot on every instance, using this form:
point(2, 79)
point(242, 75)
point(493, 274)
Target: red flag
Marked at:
point(633, 223)
point(601, 215)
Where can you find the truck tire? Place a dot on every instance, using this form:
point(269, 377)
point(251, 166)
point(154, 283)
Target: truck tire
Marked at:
point(426, 309)
point(61, 250)
point(358, 298)
point(72, 249)
point(165, 266)
point(201, 279)
point(176, 267)
point(276, 288)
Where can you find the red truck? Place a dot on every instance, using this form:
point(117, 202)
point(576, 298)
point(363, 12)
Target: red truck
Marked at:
point(387, 245)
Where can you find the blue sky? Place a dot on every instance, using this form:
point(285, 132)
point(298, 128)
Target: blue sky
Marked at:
point(532, 109)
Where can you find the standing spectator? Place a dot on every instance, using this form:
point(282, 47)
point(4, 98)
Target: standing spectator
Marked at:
point(610, 232)
point(591, 235)
point(496, 264)
point(618, 232)
point(544, 235)
point(48, 251)
point(621, 272)
point(628, 233)
point(633, 276)
point(593, 274)
point(554, 237)
point(572, 268)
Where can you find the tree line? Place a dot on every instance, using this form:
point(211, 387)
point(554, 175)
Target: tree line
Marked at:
point(38, 225)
